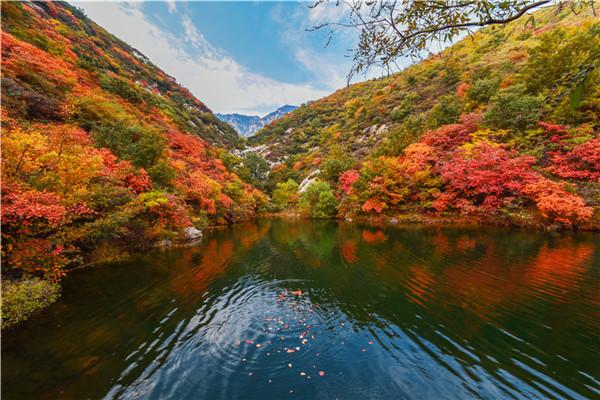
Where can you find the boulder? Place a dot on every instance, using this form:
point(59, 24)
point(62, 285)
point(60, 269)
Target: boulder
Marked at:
point(191, 233)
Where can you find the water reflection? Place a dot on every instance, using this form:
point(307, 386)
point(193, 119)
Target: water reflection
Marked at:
point(258, 309)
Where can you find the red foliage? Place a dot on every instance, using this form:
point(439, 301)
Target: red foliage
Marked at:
point(558, 133)
point(582, 162)
point(486, 177)
point(448, 137)
point(124, 174)
point(38, 257)
point(346, 179)
point(21, 203)
point(462, 89)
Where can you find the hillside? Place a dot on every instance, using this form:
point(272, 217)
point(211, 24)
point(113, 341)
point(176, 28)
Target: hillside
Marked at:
point(248, 125)
point(483, 129)
point(102, 152)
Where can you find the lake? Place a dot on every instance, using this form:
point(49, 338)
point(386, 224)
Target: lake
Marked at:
point(276, 309)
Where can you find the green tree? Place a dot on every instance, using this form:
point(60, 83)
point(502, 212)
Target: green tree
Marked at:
point(257, 165)
point(318, 200)
point(284, 194)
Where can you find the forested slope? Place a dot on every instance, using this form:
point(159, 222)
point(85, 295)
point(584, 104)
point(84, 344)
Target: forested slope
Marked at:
point(485, 129)
point(102, 152)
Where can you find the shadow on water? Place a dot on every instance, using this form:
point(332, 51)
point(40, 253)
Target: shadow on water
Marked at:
point(324, 309)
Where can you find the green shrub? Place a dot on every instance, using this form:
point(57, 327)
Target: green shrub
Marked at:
point(318, 201)
point(284, 194)
point(513, 109)
point(405, 108)
point(482, 90)
point(331, 168)
point(20, 299)
point(142, 146)
point(444, 113)
point(162, 174)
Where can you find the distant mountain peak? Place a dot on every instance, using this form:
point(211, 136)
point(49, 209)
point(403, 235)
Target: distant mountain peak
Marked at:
point(248, 125)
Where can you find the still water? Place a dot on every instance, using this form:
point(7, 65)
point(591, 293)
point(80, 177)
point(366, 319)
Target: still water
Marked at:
point(274, 309)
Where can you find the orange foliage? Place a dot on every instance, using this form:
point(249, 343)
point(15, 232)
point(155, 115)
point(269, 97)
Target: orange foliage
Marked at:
point(556, 203)
point(21, 58)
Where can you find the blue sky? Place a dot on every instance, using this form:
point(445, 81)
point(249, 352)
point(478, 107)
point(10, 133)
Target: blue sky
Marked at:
point(244, 57)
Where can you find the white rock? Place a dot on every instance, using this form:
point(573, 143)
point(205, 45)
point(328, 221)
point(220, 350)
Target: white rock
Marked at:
point(308, 180)
point(191, 233)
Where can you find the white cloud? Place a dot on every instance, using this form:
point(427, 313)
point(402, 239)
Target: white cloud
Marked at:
point(328, 12)
point(209, 73)
point(331, 74)
point(172, 6)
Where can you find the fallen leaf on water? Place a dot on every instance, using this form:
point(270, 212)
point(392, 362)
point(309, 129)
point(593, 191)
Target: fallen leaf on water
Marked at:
point(302, 373)
point(249, 341)
point(257, 344)
point(364, 350)
point(290, 365)
point(250, 374)
point(321, 373)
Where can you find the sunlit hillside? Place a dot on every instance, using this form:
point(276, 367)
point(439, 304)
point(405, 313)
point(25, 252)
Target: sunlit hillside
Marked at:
point(503, 123)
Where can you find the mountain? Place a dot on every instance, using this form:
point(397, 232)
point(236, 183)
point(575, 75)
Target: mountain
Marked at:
point(485, 129)
point(102, 152)
point(247, 125)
